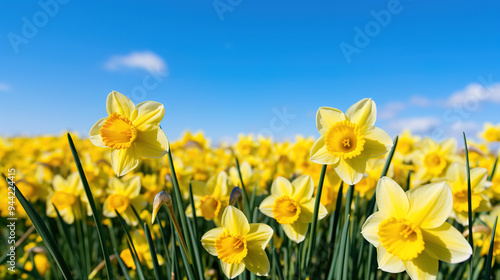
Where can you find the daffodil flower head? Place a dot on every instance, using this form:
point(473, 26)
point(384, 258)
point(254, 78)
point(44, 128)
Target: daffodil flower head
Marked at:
point(210, 199)
point(490, 133)
point(122, 195)
point(238, 244)
point(292, 205)
point(348, 140)
point(132, 131)
point(410, 230)
point(433, 159)
point(65, 197)
point(456, 178)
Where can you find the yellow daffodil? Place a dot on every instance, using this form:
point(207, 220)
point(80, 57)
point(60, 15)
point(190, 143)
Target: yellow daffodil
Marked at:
point(407, 144)
point(122, 195)
point(211, 198)
point(433, 159)
point(485, 234)
point(131, 131)
point(65, 197)
point(142, 248)
point(42, 264)
point(238, 244)
point(250, 178)
point(292, 205)
point(494, 189)
point(348, 140)
point(490, 133)
point(410, 230)
point(245, 145)
point(456, 178)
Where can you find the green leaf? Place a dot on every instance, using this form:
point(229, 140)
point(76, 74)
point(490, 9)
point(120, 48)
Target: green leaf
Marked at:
point(278, 265)
point(153, 252)
point(469, 207)
point(493, 170)
point(131, 247)
point(246, 203)
point(339, 264)
point(68, 240)
point(180, 206)
point(194, 235)
point(490, 251)
point(95, 214)
point(43, 231)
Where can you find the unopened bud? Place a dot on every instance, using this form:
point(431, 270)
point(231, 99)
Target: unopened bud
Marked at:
point(160, 199)
point(236, 195)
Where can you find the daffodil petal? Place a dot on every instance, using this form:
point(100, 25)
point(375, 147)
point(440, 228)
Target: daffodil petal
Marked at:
point(257, 261)
point(281, 187)
point(447, 244)
point(370, 227)
point(151, 143)
point(449, 146)
point(456, 172)
point(304, 188)
point(58, 182)
point(259, 235)
point(350, 170)
point(266, 206)
point(115, 185)
point(326, 117)
point(199, 188)
point(123, 161)
point(307, 211)
point(148, 113)
point(133, 188)
point(296, 231)
point(391, 199)
point(424, 267)
point(235, 221)
point(320, 155)
point(95, 134)
point(208, 240)
point(478, 178)
point(106, 210)
point(220, 188)
point(377, 142)
point(232, 270)
point(431, 204)
point(363, 113)
point(119, 103)
point(74, 183)
point(388, 262)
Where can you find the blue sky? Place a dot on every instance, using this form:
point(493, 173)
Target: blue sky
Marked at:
point(231, 66)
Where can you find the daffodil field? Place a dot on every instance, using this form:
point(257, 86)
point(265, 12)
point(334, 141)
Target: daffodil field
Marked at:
point(124, 202)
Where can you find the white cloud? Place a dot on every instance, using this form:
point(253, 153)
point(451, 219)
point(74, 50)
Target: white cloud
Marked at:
point(391, 110)
point(146, 60)
point(419, 101)
point(415, 125)
point(473, 94)
point(4, 87)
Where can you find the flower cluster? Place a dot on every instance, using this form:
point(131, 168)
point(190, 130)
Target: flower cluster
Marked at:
point(278, 192)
